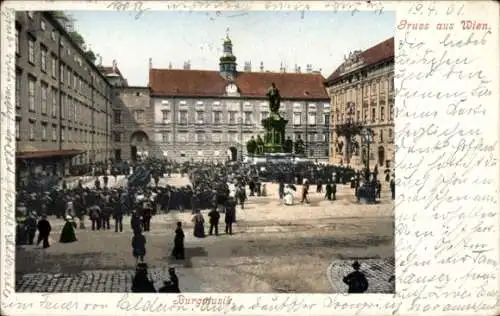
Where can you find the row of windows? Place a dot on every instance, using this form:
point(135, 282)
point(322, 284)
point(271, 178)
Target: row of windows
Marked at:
point(67, 134)
point(233, 118)
point(379, 135)
point(352, 94)
point(43, 99)
point(341, 118)
point(221, 137)
point(66, 75)
point(217, 153)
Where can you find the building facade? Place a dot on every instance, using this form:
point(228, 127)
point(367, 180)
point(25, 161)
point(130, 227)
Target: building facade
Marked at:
point(201, 114)
point(362, 91)
point(132, 117)
point(63, 102)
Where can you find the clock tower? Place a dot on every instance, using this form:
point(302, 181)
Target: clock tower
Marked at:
point(227, 63)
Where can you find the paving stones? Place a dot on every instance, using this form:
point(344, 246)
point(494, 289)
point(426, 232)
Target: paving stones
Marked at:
point(377, 271)
point(99, 281)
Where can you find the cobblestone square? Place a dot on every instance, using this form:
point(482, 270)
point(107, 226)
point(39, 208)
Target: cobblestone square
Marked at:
point(275, 248)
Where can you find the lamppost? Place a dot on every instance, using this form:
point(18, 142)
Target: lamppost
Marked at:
point(368, 134)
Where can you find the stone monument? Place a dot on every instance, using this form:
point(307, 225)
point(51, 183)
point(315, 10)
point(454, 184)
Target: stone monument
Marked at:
point(274, 125)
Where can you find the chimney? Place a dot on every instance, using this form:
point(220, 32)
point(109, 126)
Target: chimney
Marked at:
point(281, 67)
point(248, 66)
point(309, 68)
point(170, 65)
point(262, 66)
point(298, 69)
point(187, 65)
point(150, 63)
point(115, 65)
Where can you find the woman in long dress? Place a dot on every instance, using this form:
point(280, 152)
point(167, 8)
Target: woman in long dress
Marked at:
point(289, 195)
point(178, 251)
point(68, 232)
point(199, 227)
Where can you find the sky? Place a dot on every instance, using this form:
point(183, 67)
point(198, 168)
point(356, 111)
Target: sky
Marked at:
point(318, 38)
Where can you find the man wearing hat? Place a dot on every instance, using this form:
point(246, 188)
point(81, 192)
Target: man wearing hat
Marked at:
point(174, 279)
point(44, 229)
point(31, 227)
point(356, 280)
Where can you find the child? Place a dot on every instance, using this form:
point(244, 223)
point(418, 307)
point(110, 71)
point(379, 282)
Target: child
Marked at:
point(138, 246)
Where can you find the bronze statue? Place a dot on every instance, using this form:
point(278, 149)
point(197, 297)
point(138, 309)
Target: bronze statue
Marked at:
point(274, 98)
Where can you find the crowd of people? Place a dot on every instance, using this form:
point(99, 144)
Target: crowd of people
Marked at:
point(217, 187)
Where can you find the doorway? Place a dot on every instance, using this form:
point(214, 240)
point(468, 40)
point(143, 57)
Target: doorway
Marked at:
point(133, 153)
point(381, 155)
point(118, 154)
point(234, 153)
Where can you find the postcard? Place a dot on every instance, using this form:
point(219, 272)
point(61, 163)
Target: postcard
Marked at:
point(249, 157)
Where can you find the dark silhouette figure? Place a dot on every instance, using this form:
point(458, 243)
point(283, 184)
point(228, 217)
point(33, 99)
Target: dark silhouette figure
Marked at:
point(393, 189)
point(214, 221)
point(44, 229)
point(141, 282)
point(178, 251)
point(230, 215)
point(356, 280)
point(174, 279)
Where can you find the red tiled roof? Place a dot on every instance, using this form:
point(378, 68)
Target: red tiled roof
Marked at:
point(375, 54)
point(180, 82)
point(48, 153)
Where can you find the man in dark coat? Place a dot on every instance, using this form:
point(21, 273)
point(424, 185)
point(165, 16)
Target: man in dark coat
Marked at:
point(319, 186)
point(31, 227)
point(107, 210)
point(178, 251)
point(214, 221)
point(141, 282)
point(334, 191)
point(44, 229)
point(97, 183)
point(328, 192)
point(230, 214)
point(174, 279)
point(117, 214)
point(393, 188)
point(147, 213)
point(135, 221)
point(356, 280)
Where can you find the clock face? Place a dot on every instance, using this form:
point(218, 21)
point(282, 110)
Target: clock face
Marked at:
point(231, 88)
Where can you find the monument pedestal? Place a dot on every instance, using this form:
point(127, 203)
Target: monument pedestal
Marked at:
point(275, 133)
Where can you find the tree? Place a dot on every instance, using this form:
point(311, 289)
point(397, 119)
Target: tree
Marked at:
point(58, 15)
point(77, 38)
point(90, 55)
point(349, 131)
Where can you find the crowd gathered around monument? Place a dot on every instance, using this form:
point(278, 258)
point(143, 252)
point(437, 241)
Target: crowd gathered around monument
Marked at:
point(221, 188)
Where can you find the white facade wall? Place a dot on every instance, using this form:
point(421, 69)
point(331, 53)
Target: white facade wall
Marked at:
point(194, 128)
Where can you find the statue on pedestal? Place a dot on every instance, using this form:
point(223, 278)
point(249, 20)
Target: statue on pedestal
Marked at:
point(274, 98)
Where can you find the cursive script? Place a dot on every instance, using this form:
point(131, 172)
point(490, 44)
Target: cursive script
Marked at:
point(446, 152)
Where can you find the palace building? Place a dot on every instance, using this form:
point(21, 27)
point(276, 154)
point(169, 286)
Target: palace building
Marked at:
point(361, 90)
point(63, 102)
point(209, 114)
